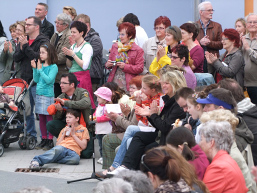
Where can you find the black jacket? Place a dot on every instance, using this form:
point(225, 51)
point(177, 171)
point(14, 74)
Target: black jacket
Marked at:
point(169, 114)
point(47, 29)
point(27, 54)
point(250, 118)
point(96, 69)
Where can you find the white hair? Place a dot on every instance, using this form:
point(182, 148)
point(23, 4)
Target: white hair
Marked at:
point(113, 185)
point(246, 17)
point(220, 132)
point(201, 6)
point(65, 18)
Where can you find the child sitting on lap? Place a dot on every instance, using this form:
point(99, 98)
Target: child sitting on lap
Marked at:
point(71, 141)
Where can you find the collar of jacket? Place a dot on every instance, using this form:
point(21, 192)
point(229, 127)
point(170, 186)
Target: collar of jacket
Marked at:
point(234, 50)
point(167, 100)
point(74, 95)
point(211, 24)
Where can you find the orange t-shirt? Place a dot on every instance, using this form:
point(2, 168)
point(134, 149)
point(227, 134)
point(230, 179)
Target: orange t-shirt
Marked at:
point(70, 143)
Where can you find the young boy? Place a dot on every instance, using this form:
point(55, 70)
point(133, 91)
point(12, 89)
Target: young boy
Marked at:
point(71, 141)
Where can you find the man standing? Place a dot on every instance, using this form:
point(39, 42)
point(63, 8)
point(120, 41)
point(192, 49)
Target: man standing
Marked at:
point(46, 27)
point(59, 40)
point(250, 56)
point(27, 50)
point(92, 37)
point(209, 35)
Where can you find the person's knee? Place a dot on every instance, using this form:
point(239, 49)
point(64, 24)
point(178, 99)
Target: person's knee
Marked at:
point(74, 160)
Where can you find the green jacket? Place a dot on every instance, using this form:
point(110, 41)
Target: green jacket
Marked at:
point(80, 100)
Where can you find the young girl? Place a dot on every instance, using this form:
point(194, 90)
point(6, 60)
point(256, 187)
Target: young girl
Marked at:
point(44, 73)
point(150, 92)
point(195, 110)
point(102, 126)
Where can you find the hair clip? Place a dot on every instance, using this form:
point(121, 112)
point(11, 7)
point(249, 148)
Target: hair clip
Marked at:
point(185, 143)
point(45, 46)
point(195, 95)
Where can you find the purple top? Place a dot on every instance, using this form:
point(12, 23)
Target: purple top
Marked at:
point(200, 163)
point(190, 77)
point(197, 55)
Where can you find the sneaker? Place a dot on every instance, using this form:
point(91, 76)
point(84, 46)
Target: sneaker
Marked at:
point(100, 161)
point(116, 171)
point(34, 165)
point(49, 144)
point(41, 144)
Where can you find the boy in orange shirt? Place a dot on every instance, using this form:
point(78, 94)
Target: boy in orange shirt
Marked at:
point(71, 141)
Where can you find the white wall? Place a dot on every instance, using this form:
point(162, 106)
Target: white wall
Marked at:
point(104, 13)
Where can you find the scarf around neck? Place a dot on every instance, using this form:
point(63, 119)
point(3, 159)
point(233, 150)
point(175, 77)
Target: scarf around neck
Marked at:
point(123, 51)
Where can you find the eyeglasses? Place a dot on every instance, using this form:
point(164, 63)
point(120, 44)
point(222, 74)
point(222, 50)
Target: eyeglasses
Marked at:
point(64, 83)
point(159, 28)
point(252, 22)
point(122, 35)
point(174, 57)
point(57, 23)
point(143, 163)
point(223, 39)
point(209, 10)
point(29, 24)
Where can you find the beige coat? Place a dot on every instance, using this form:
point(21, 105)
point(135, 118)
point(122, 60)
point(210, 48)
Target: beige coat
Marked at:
point(63, 42)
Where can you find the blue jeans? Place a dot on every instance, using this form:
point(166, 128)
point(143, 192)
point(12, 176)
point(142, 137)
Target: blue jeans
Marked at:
point(99, 137)
point(204, 79)
point(31, 127)
point(129, 133)
point(58, 154)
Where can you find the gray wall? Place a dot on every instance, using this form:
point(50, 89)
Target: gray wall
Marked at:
point(105, 13)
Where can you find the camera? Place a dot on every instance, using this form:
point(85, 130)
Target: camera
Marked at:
point(113, 62)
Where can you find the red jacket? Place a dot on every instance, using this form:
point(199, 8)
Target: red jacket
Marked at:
point(135, 65)
point(224, 176)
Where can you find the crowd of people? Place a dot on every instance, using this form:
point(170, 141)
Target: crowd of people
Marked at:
point(188, 116)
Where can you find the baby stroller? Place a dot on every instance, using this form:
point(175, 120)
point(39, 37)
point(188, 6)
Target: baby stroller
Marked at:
point(13, 122)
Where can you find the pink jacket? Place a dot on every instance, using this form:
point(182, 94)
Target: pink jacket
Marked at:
point(135, 65)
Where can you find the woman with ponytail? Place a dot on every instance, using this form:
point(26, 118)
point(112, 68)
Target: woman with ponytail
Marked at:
point(170, 172)
point(183, 140)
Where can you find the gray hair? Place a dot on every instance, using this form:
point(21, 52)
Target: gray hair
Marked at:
point(201, 6)
point(41, 189)
point(138, 179)
point(113, 185)
point(246, 17)
point(220, 132)
point(65, 18)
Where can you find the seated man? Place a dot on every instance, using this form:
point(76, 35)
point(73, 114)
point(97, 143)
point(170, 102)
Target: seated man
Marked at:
point(71, 141)
point(78, 99)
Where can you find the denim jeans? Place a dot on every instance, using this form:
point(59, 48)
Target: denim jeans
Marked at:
point(99, 137)
point(129, 133)
point(58, 154)
point(204, 79)
point(31, 127)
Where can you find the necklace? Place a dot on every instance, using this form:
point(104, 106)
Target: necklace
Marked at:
point(80, 44)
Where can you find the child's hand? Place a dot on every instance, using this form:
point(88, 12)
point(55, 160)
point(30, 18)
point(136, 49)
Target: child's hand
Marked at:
point(11, 104)
point(72, 130)
point(33, 64)
point(39, 65)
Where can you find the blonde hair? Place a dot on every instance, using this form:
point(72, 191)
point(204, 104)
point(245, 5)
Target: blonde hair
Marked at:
point(242, 20)
point(152, 82)
point(174, 76)
point(220, 115)
point(71, 10)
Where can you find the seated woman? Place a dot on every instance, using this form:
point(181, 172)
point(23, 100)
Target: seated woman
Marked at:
point(189, 34)
point(223, 174)
point(170, 172)
point(80, 57)
point(180, 58)
point(120, 124)
point(231, 63)
point(183, 140)
point(173, 37)
point(126, 59)
point(171, 81)
point(150, 92)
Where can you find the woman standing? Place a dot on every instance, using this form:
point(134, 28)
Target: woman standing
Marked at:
point(189, 34)
point(80, 57)
point(231, 63)
point(172, 38)
point(2, 43)
point(126, 59)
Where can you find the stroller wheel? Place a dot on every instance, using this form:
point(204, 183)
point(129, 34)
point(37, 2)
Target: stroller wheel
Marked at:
point(22, 142)
point(31, 142)
point(6, 145)
point(1, 150)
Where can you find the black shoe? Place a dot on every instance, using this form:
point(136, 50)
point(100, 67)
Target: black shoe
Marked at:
point(41, 144)
point(49, 144)
point(37, 116)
